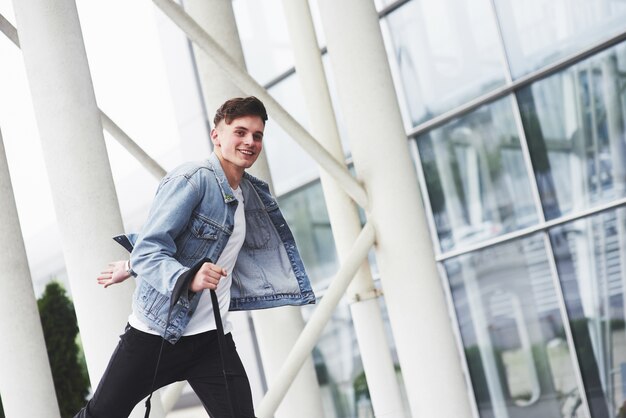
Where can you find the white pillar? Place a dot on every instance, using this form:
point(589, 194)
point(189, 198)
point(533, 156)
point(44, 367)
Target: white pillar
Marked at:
point(23, 357)
point(416, 303)
point(78, 169)
point(344, 217)
point(217, 18)
point(304, 398)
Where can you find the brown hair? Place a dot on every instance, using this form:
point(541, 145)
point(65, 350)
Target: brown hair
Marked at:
point(238, 107)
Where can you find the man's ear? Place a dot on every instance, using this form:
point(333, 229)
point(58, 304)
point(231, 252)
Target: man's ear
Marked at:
point(215, 137)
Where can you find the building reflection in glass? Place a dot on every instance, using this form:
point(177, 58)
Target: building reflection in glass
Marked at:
point(444, 53)
point(512, 332)
point(537, 33)
point(574, 124)
point(590, 256)
point(476, 177)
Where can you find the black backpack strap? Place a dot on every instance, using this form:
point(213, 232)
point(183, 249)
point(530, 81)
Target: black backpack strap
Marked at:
point(182, 285)
point(221, 341)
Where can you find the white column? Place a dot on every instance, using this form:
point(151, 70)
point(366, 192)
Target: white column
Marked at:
point(344, 217)
point(78, 169)
point(23, 357)
point(276, 329)
point(217, 18)
point(416, 303)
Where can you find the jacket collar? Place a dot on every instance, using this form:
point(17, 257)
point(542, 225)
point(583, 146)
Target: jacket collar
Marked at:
point(222, 181)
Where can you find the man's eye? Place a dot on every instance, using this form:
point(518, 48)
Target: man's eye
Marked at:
point(258, 137)
point(239, 133)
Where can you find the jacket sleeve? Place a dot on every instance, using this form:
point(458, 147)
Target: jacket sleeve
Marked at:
point(153, 255)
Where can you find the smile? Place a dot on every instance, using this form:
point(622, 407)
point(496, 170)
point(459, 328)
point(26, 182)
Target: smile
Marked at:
point(246, 152)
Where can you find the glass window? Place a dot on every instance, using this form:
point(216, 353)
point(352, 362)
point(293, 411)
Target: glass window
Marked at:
point(512, 332)
point(339, 368)
point(289, 164)
point(591, 261)
point(264, 38)
point(476, 178)
point(574, 123)
point(305, 212)
point(539, 32)
point(445, 52)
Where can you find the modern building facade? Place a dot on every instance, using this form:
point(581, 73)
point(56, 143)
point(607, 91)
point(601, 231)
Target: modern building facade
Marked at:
point(515, 117)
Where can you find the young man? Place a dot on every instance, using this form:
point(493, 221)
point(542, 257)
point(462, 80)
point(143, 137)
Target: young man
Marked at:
point(210, 210)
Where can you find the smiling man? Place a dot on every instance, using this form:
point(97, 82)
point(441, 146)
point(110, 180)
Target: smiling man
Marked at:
point(208, 210)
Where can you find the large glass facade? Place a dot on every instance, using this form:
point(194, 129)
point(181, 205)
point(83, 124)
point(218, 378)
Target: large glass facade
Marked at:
point(524, 181)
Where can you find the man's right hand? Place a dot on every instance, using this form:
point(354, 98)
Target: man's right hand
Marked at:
point(116, 272)
point(208, 277)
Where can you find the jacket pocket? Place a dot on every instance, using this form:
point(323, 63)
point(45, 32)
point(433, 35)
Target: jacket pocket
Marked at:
point(198, 237)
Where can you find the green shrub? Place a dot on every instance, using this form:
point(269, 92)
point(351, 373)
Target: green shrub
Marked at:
point(60, 330)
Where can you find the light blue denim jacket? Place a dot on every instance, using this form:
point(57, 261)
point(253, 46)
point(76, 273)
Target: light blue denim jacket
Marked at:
point(192, 218)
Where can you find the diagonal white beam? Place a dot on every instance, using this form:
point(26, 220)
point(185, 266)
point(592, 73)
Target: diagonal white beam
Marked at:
point(111, 127)
point(314, 327)
point(9, 30)
point(248, 85)
point(131, 146)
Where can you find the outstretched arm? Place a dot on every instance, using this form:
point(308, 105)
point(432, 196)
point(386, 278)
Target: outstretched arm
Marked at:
point(116, 272)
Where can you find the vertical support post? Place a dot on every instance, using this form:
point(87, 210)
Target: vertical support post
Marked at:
point(77, 163)
point(415, 299)
point(344, 218)
point(26, 369)
point(304, 398)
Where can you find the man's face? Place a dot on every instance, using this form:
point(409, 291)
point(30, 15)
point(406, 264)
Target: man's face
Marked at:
point(240, 142)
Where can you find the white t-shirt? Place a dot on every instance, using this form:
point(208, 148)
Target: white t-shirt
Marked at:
point(203, 319)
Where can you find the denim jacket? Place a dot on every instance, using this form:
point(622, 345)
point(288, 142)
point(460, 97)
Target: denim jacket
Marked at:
point(191, 218)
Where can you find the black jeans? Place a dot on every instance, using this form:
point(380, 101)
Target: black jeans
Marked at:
point(196, 359)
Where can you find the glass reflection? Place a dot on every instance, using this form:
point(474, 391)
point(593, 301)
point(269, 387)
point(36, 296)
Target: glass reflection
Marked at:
point(512, 332)
point(591, 260)
point(305, 212)
point(339, 368)
point(574, 123)
point(289, 164)
point(476, 178)
point(444, 52)
point(539, 32)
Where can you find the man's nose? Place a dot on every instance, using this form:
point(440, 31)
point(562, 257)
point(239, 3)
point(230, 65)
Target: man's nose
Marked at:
point(248, 139)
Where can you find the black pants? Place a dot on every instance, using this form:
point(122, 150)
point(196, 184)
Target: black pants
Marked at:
point(196, 359)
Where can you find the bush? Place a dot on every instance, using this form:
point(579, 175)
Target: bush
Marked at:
point(60, 330)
